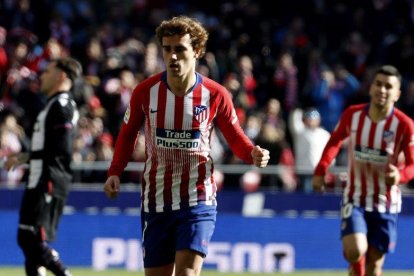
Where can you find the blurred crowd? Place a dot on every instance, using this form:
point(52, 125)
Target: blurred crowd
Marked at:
point(278, 59)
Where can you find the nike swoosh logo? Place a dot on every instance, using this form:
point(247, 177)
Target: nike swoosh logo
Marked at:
point(153, 110)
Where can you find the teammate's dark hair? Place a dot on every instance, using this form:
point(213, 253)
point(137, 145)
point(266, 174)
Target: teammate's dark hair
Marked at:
point(389, 70)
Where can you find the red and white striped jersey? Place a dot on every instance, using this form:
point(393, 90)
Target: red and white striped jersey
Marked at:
point(178, 170)
point(371, 147)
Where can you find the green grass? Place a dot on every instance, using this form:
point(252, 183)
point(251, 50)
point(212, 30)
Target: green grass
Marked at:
point(17, 271)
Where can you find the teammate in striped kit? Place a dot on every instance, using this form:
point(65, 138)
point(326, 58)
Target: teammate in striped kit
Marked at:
point(178, 109)
point(379, 136)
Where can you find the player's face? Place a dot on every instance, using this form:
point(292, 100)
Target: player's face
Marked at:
point(179, 55)
point(384, 90)
point(49, 78)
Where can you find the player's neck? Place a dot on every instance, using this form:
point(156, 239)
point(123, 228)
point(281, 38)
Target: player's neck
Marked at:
point(377, 113)
point(180, 86)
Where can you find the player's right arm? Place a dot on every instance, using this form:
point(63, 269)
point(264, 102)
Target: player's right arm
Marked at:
point(125, 143)
point(295, 121)
point(331, 150)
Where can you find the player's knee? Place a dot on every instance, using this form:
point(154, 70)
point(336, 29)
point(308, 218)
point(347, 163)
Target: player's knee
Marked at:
point(188, 272)
point(374, 271)
point(353, 255)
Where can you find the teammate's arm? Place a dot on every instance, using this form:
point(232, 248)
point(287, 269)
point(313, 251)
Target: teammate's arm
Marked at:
point(331, 150)
point(407, 172)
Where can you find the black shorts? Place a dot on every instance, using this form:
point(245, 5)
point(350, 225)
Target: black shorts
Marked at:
point(40, 209)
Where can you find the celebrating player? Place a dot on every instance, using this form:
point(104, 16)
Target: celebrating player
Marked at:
point(379, 134)
point(178, 109)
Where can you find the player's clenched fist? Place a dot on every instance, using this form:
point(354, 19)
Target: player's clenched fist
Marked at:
point(111, 186)
point(318, 183)
point(260, 156)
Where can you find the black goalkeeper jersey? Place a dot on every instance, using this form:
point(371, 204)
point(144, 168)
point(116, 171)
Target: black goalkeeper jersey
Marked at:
point(51, 146)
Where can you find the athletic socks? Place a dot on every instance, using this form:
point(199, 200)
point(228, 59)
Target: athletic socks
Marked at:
point(54, 264)
point(357, 268)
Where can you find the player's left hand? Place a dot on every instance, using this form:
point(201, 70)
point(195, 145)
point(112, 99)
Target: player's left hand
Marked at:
point(112, 186)
point(392, 175)
point(260, 157)
point(318, 183)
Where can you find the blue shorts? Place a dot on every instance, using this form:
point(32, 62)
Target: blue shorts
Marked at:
point(380, 228)
point(165, 233)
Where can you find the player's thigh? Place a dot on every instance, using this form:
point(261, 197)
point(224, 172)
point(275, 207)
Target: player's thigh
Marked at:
point(165, 270)
point(353, 231)
point(158, 241)
point(382, 231)
point(34, 208)
point(188, 262)
point(374, 261)
point(195, 228)
point(355, 245)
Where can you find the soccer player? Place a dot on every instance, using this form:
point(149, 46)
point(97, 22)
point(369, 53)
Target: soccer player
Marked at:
point(178, 109)
point(49, 168)
point(379, 136)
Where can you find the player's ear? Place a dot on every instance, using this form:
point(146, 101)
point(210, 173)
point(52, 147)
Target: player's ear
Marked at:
point(63, 76)
point(397, 95)
point(197, 53)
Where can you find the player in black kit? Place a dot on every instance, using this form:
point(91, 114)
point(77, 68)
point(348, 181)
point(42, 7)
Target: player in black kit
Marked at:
point(49, 168)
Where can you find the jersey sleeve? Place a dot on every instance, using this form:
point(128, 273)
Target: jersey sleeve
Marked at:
point(229, 125)
point(407, 171)
point(334, 144)
point(126, 140)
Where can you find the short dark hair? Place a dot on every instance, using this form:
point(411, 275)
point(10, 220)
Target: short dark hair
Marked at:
point(70, 66)
point(389, 70)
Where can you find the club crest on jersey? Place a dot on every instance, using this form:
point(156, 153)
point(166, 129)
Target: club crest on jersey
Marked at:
point(200, 112)
point(127, 114)
point(388, 136)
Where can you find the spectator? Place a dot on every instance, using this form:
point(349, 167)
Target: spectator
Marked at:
point(331, 95)
point(309, 140)
point(274, 139)
point(12, 141)
point(3, 54)
point(286, 83)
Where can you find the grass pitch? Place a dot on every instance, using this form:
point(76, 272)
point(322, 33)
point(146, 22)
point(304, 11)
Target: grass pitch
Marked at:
point(18, 271)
